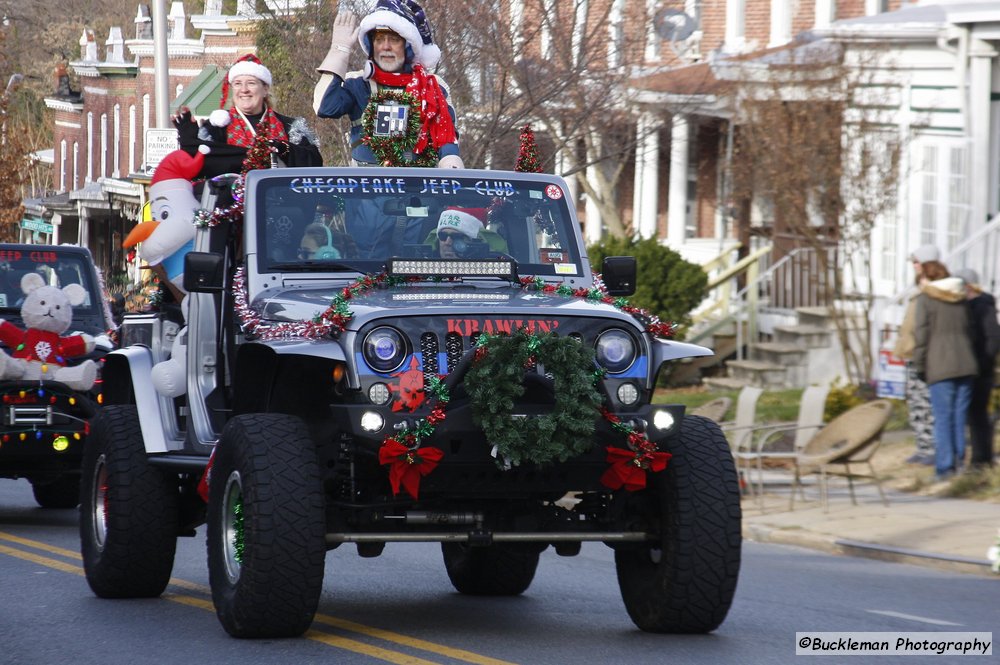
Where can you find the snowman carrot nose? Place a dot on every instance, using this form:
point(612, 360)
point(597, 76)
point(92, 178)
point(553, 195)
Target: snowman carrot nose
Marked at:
point(139, 233)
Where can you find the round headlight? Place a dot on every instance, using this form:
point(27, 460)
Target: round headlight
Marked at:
point(384, 349)
point(615, 351)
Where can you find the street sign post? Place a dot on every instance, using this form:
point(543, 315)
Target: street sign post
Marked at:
point(159, 143)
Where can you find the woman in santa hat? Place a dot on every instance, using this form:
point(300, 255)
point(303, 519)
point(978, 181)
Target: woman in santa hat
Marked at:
point(230, 132)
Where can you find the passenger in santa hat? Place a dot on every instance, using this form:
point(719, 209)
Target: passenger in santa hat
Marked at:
point(401, 55)
point(231, 130)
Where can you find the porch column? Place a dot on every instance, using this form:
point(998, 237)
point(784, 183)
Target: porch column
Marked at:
point(639, 165)
point(649, 149)
point(677, 201)
point(595, 221)
point(83, 232)
point(980, 79)
point(564, 163)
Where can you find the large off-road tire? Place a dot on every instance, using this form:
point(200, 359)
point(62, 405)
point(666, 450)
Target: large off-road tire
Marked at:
point(63, 492)
point(128, 510)
point(684, 582)
point(505, 569)
point(266, 527)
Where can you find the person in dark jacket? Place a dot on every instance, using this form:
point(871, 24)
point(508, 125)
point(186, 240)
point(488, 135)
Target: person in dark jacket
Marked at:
point(985, 332)
point(401, 55)
point(230, 132)
point(943, 357)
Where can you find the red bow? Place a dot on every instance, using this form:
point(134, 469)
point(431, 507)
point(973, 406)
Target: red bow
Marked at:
point(408, 465)
point(628, 468)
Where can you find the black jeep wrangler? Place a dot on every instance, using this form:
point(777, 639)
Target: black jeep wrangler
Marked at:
point(44, 421)
point(381, 356)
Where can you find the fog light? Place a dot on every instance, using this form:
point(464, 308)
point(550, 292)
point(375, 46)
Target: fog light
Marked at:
point(628, 394)
point(663, 420)
point(379, 394)
point(371, 421)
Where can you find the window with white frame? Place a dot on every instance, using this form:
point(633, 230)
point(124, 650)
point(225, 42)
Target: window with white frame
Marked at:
point(131, 138)
point(62, 165)
point(104, 145)
point(549, 19)
point(145, 124)
point(616, 33)
point(781, 22)
point(116, 167)
point(941, 198)
point(76, 164)
point(90, 146)
point(735, 25)
point(652, 53)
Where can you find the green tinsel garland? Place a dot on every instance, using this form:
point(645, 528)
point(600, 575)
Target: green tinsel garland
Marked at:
point(389, 149)
point(495, 382)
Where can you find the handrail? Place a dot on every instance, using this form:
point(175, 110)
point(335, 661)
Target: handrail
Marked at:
point(739, 267)
point(721, 258)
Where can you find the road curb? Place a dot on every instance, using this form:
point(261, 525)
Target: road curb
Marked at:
point(765, 534)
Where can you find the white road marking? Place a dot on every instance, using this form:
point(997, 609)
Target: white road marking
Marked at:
point(913, 617)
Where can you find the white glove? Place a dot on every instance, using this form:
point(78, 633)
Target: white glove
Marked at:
point(451, 162)
point(345, 35)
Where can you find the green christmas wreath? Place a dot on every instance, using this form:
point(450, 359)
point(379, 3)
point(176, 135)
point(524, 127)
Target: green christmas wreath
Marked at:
point(390, 150)
point(495, 382)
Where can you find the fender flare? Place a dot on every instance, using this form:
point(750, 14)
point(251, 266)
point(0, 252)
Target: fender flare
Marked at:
point(132, 365)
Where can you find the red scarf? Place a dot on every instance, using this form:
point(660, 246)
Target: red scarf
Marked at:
point(238, 131)
point(436, 125)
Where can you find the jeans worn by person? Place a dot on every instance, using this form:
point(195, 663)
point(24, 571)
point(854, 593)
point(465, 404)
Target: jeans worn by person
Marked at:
point(950, 400)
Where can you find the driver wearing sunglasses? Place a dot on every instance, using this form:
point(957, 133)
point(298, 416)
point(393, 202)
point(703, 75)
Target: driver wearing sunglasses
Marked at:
point(458, 227)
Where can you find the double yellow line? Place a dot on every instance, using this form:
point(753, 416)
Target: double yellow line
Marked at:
point(204, 603)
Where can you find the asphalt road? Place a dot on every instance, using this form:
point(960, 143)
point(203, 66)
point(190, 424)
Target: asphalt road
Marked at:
point(401, 608)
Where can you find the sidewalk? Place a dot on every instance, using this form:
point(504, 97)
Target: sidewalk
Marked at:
point(945, 533)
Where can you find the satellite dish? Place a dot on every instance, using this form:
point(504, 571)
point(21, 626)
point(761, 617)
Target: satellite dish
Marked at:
point(673, 25)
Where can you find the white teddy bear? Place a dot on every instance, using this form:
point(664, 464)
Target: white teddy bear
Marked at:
point(40, 352)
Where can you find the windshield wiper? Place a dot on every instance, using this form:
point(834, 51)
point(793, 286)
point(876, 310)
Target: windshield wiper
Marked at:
point(316, 266)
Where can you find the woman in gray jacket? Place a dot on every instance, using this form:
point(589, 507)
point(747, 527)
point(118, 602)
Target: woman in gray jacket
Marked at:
point(943, 357)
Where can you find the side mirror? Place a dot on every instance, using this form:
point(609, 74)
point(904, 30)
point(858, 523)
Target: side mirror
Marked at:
point(203, 272)
point(618, 273)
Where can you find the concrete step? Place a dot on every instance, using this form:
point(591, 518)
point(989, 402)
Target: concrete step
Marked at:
point(779, 353)
point(758, 373)
point(727, 383)
point(806, 336)
point(823, 316)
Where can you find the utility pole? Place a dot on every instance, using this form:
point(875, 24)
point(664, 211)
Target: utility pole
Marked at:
point(161, 64)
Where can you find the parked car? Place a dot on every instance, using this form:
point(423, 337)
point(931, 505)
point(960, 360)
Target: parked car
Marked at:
point(362, 389)
point(44, 421)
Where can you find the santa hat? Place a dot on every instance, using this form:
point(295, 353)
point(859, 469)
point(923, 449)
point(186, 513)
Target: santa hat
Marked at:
point(469, 221)
point(408, 20)
point(179, 165)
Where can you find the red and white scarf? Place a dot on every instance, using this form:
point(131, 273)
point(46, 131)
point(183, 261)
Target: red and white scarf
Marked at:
point(436, 126)
point(240, 133)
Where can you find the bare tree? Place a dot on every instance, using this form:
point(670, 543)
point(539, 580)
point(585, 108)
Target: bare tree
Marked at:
point(815, 153)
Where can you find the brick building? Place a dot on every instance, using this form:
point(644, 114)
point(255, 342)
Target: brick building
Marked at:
point(100, 161)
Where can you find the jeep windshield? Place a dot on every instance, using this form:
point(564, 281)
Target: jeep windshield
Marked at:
point(357, 219)
point(59, 267)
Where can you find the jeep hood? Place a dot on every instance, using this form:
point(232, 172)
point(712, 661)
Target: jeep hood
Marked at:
point(299, 303)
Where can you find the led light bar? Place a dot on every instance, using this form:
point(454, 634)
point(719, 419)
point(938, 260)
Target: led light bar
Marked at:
point(451, 268)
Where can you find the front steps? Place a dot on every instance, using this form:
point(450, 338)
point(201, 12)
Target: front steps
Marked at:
point(799, 354)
